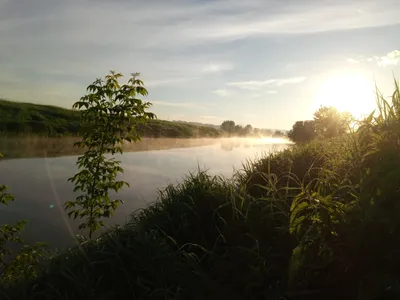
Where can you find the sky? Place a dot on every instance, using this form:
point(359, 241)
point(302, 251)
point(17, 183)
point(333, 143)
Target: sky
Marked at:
point(267, 63)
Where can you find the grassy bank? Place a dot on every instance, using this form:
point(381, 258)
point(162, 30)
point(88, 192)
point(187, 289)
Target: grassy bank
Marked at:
point(316, 221)
point(299, 224)
point(24, 119)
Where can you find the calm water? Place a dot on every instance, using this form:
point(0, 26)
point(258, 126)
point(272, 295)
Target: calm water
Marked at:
point(40, 184)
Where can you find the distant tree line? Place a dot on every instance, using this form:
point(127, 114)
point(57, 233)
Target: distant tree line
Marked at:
point(328, 122)
point(18, 118)
point(230, 128)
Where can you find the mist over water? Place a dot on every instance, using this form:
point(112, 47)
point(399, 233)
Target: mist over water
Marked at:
point(41, 188)
point(32, 147)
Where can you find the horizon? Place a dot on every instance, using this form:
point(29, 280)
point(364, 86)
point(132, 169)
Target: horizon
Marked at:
point(192, 122)
point(268, 64)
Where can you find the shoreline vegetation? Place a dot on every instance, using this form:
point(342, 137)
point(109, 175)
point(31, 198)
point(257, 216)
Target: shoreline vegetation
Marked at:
point(317, 221)
point(29, 119)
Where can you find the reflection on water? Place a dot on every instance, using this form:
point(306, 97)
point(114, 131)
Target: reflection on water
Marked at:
point(24, 147)
point(232, 143)
point(40, 184)
point(32, 147)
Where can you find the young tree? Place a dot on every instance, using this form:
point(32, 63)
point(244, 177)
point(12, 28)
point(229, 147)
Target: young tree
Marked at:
point(110, 116)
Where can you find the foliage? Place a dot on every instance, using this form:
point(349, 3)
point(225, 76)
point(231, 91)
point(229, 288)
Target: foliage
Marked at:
point(239, 130)
point(228, 126)
point(110, 117)
point(190, 245)
point(25, 263)
point(344, 213)
point(25, 119)
point(248, 129)
point(318, 220)
point(328, 122)
point(29, 118)
point(302, 131)
point(278, 134)
point(173, 129)
point(231, 129)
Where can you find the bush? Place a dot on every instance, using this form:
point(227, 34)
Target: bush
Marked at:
point(190, 245)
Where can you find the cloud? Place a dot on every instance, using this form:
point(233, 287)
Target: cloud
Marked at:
point(216, 68)
point(182, 104)
point(390, 59)
point(181, 22)
point(249, 93)
point(221, 92)
point(169, 82)
point(210, 118)
point(173, 43)
point(353, 60)
point(256, 88)
point(250, 85)
point(175, 104)
point(259, 93)
point(255, 93)
point(258, 85)
point(280, 82)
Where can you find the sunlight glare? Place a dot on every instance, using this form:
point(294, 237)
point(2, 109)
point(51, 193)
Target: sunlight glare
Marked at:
point(352, 93)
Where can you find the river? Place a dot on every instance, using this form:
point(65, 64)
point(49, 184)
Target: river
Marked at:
point(40, 184)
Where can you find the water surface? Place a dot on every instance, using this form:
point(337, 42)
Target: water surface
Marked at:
point(40, 184)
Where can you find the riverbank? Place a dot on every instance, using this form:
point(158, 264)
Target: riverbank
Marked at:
point(19, 119)
point(41, 187)
point(28, 119)
point(316, 221)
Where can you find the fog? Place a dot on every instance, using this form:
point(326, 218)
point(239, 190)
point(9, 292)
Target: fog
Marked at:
point(30, 147)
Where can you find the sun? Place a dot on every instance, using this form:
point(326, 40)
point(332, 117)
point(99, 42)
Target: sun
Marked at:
point(353, 93)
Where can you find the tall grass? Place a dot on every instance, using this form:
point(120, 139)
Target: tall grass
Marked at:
point(316, 221)
point(187, 246)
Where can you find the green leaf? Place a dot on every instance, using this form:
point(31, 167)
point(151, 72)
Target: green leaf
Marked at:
point(110, 116)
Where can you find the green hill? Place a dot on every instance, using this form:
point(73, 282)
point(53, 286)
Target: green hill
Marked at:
point(17, 118)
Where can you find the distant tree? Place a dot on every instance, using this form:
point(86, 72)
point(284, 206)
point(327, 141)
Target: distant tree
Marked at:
point(239, 130)
point(329, 122)
point(278, 133)
point(266, 132)
point(228, 126)
point(248, 129)
point(302, 131)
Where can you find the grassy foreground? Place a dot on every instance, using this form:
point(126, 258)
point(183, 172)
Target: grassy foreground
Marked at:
point(317, 221)
point(18, 118)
